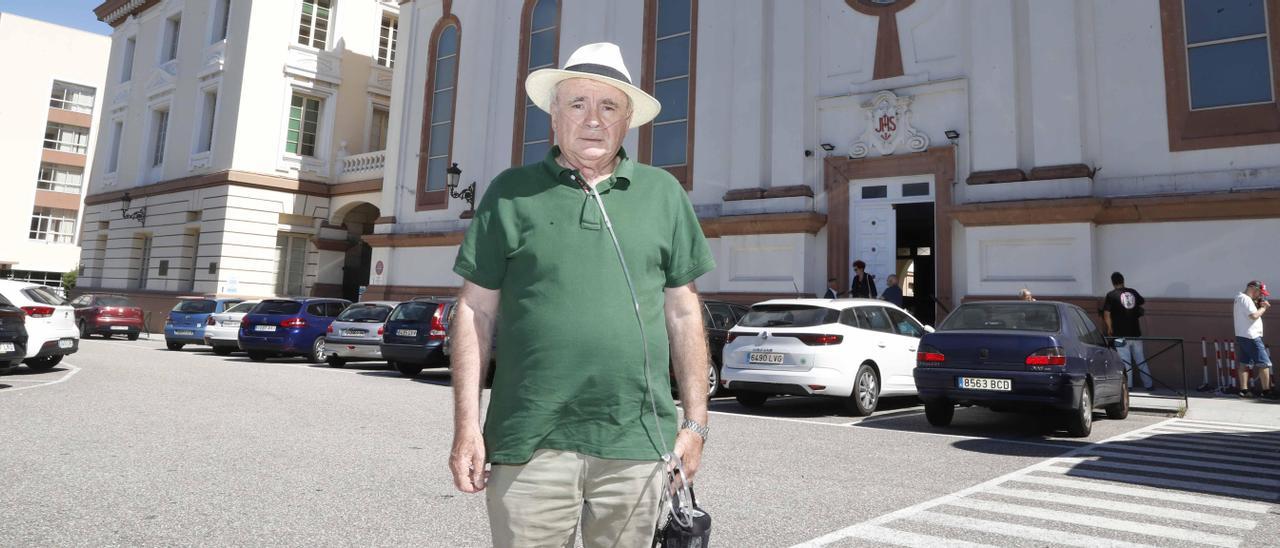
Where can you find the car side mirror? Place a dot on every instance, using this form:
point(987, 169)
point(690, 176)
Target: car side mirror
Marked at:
point(928, 329)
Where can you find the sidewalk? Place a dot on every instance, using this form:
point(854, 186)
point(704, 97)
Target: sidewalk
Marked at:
point(1209, 407)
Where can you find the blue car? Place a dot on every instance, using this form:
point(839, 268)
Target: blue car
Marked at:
point(1021, 355)
point(186, 322)
point(289, 327)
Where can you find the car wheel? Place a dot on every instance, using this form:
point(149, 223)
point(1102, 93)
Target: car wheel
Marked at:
point(43, 364)
point(408, 369)
point(939, 412)
point(257, 356)
point(223, 350)
point(1080, 423)
point(174, 345)
point(335, 361)
point(713, 380)
point(752, 399)
point(866, 392)
point(1120, 411)
point(133, 336)
point(317, 351)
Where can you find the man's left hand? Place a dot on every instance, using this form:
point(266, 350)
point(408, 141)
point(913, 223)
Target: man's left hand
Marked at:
point(689, 450)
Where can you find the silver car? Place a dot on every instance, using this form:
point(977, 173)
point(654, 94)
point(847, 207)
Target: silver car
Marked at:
point(223, 330)
point(357, 332)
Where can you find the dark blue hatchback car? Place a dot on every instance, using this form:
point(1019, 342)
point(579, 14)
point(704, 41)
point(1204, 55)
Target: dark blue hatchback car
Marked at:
point(1021, 355)
point(289, 327)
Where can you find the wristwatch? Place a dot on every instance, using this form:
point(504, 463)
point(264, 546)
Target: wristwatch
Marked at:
point(693, 426)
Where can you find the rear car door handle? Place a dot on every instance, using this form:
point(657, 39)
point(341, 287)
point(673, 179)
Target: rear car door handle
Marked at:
point(880, 344)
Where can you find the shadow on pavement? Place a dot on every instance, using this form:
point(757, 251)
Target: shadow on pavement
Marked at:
point(794, 407)
point(438, 377)
point(19, 371)
point(979, 422)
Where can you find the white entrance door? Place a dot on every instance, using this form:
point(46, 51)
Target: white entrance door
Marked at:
point(874, 238)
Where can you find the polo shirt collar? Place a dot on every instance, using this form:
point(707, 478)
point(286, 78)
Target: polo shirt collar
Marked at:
point(620, 179)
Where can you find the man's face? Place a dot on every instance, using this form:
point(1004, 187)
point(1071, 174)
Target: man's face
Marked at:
point(590, 118)
point(891, 280)
point(1252, 292)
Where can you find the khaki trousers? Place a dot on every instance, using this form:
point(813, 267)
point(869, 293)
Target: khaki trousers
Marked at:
point(540, 503)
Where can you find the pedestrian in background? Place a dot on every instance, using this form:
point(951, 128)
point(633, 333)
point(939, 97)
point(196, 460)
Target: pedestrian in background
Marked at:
point(1120, 312)
point(864, 284)
point(833, 289)
point(892, 291)
point(1249, 307)
point(1025, 294)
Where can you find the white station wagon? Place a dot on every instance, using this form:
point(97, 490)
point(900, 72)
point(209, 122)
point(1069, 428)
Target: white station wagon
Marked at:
point(854, 349)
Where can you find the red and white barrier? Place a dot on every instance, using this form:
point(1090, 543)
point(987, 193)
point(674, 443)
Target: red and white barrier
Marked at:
point(1217, 365)
point(1231, 359)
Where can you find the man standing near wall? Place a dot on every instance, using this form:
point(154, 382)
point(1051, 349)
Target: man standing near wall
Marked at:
point(1249, 306)
point(1120, 311)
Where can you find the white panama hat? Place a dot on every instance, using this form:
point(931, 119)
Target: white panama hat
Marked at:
point(601, 62)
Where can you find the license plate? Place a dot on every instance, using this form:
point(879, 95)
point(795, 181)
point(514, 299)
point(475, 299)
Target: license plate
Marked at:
point(768, 358)
point(354, 332)
point(66, 343)
point(119, 328)
point(265, 328)
point(231, 323)
point(184, 332)
point(407, 332)
point(974, 383)
point(7, 347)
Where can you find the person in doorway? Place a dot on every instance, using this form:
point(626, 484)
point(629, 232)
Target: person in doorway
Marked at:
point(581, 413)
point(1249, 307)
point(892, 292)
point(1025, 294)
point(833, 289)
point(1121, 309)
point(864, 284)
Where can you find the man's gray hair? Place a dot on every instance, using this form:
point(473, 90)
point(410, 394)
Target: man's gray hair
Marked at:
point(1024, 292)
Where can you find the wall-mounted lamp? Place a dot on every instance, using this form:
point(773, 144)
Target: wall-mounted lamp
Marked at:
point(467, 194)
point(140, 215)
point(828, 147)
point(952, 135)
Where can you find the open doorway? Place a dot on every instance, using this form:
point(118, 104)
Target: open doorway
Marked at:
point(915, 259)
point(355, 266)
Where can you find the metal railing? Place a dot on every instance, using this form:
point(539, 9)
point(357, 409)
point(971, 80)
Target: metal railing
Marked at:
point(1171, 344)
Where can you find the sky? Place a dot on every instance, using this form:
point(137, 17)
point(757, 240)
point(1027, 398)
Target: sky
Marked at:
point(68, 13)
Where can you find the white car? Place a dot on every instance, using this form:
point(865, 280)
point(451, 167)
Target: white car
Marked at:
point(51, 323)
point(223, 330)
point(854, 349)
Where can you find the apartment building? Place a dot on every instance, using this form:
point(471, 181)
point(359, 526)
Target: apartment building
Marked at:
point(243, 147)
point(49, 111)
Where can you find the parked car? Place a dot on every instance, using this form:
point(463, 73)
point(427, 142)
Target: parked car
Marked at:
point(186, 322)
point(222, 332)
point(1021, 355)
point(13, 335)
point(857, 350)
point(289, 327)
point(717, 318)
point(107, 315)
point(356, 334)
point(50, 323)
point(413, 338)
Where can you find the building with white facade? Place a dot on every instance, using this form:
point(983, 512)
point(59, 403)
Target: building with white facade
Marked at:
point(49, 111)
point(979, 146)
point(243, 146)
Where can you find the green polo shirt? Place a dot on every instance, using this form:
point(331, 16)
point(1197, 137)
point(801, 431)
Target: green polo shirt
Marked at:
point(570, 373)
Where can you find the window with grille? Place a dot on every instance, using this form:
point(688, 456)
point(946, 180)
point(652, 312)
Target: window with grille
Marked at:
point(172, 31)
point(117, 133)
point(72, 97)
point(66, 138)
point(209, 108)
point(669, 56)
point(60, 178)
point(144, 263)
point(440, 136)
point(378, 129)
point(387, 40)
point(304, 123)
point(291, 261)
point(159, 132)
point(126, 66)
point(55, 226)
point(540, 40)
point(1227, 59)
point(314, 28)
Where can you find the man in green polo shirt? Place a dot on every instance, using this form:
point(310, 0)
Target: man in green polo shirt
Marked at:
point(575, 431)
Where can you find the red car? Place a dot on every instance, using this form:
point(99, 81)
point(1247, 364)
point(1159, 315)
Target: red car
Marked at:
point(107, 315)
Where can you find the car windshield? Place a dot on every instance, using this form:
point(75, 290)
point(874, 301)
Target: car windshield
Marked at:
point(42, 294)
point(242, 308)
point(277, 307)
point(113, 300)
point(788, 315)
point(365, 313)
point(196, 306)
point(413, 312)
point(1018, 316)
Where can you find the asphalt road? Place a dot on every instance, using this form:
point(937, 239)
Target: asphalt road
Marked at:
point(130, 444)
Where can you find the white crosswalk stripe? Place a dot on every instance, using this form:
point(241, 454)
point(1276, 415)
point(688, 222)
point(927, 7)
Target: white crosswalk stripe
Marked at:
point(1179, 482)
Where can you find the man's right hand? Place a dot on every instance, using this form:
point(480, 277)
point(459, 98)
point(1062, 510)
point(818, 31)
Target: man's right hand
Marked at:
point(466, 461)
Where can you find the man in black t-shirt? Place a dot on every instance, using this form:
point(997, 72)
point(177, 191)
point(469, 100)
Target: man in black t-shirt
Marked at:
point(1120, 311)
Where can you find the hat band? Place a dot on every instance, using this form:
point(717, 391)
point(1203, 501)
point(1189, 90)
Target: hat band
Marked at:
point(599, 70)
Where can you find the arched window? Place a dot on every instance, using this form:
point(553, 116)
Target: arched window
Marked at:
point(438, 114)
point(539, 48)
point(670, 54)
